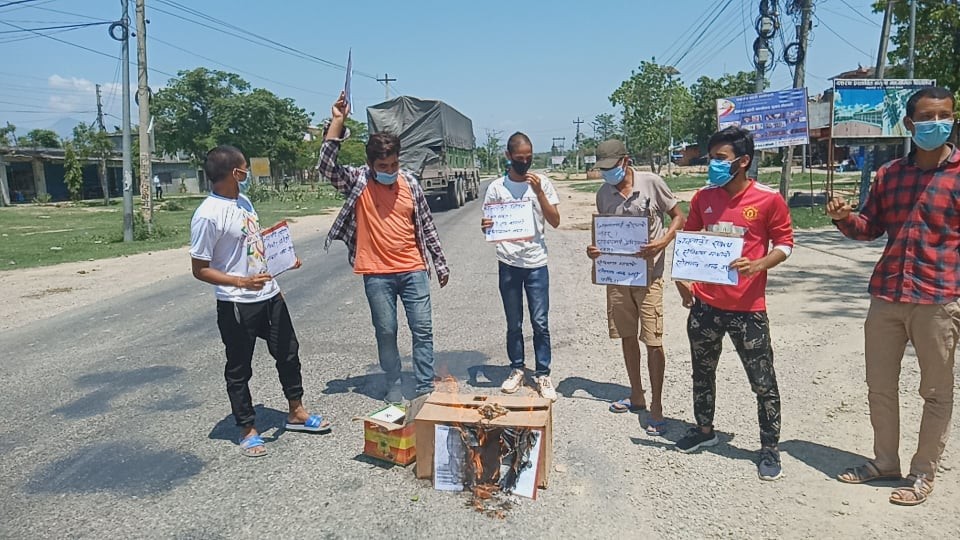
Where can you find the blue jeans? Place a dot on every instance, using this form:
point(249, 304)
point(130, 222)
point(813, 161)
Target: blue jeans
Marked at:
point(536, 282)
point(413, 288)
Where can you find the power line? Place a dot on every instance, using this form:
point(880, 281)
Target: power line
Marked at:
point(62, 12)
point(8, 4)
point(704, 33)
point(857, 11)
point(843, 39)
point(677, 45)
point(60, 27)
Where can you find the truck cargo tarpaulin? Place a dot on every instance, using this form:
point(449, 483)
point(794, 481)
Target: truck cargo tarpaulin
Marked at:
point(425, 128)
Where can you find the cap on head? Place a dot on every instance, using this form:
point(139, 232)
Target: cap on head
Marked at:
point(609, 153)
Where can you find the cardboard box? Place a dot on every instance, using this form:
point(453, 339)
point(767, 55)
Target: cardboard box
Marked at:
point(447, 408)
point(389, 433)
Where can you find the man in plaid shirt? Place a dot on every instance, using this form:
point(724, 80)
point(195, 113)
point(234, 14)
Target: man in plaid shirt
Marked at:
point(914, 291)
point(388, 229)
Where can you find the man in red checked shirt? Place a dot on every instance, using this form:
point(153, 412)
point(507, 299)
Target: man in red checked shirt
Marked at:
point(734, 203)
point(913, 291)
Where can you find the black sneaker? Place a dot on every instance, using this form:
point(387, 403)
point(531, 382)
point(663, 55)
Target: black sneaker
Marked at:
point(696, 439)
point(769, 466)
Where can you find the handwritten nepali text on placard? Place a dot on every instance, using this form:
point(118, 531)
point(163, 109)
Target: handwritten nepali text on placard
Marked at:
point(620, 270)
point(279, 249)
point(511, 220)
point(621, 234)
point(706, 258)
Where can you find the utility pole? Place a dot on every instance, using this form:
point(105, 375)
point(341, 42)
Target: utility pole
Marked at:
point(911, 59)
point(386, 80)
point(127, 142)
point(576, 140)
point(803, 35)
point(670, 71)
point(102, 165)
point(766, 30)
point(143, 103)
point(871, 157)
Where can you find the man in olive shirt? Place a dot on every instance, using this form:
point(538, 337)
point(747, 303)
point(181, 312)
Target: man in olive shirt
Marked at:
point(635, 314)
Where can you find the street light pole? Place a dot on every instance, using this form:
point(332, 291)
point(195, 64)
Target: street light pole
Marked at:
point(670, 71)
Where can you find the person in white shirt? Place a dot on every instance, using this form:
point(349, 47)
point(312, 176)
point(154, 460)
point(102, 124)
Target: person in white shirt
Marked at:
point(158, 187)
point(227, 251)
point(523, 265)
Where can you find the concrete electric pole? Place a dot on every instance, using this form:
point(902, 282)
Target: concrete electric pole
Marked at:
point(143, 103)
point(870, 158)
point(803, 34)
point(576, 141)
point(386, 80)
point(127, 142)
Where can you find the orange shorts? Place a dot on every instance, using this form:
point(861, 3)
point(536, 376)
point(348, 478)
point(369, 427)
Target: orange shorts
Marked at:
point(636, 311)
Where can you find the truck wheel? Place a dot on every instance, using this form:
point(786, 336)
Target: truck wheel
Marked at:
point(452, 198)
point(462, 191)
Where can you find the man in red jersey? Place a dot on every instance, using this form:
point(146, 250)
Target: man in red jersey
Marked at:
point(914, 289)
point(733, 203)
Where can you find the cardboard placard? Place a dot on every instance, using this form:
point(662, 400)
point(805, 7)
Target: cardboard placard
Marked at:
point(624, 270)
point(705, 257)
point(513, 220)
point(278, 245)
point(621, 235)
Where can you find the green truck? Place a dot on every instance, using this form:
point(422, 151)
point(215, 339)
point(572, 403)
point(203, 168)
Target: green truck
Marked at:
point(437, 143)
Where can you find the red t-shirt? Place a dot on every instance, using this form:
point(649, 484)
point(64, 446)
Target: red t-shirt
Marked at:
point(761, 216)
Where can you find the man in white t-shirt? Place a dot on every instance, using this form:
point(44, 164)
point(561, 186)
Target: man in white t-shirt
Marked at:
point(523, 265)
point(158, 187)
point(227, 251)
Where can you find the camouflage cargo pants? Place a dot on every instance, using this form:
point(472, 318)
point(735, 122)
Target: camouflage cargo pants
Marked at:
point(750, 333)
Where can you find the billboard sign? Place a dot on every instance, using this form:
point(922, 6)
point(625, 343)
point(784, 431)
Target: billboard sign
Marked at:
point(775, 118)
point(873, 108)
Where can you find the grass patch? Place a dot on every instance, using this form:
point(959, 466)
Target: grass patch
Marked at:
point(803, 218)
point(45, 235)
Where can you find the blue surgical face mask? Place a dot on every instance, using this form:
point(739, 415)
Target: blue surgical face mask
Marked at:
point(720, 172)
point(933, 134)
point(245, 183)
point(614, 176)
point(387, 179)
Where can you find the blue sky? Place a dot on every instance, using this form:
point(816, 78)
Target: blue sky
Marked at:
point(530, 66)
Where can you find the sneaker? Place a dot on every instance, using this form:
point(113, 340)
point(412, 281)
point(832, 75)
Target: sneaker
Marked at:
point(394, 394)
point(513, 383)
point(769, 466)
point(696, 439)
point(545, 387)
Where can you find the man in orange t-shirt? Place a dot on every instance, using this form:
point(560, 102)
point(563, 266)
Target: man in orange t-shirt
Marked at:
point(388, 228)
point(735, 204)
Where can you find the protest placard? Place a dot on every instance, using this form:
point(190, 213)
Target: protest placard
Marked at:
point(512, 220)
point(278, 245)
point(628, 270)
point(624, 235)
point(706, 257)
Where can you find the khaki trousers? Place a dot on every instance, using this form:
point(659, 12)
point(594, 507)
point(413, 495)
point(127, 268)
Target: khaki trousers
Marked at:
point(933, 330)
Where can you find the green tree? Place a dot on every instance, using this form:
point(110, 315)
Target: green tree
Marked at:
point(606, 126)
point(90, 142)
point(187, 110)
point(7, 134)
point(41, 138)
point(647, 99)
point(706, 92)
point(262, 125)
point(73, 171)
point(937, 42)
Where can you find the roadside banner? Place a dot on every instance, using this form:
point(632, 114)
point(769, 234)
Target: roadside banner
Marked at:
point(775, 118)
point(873, 108)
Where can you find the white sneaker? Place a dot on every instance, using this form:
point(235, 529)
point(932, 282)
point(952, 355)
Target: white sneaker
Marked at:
point(513, 383)
point(545, 387)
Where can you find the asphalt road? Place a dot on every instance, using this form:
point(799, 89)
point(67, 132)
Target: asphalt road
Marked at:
point(116, 422)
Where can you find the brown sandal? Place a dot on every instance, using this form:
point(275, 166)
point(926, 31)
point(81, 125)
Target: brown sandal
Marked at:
point(912, 495)
point(868, 472)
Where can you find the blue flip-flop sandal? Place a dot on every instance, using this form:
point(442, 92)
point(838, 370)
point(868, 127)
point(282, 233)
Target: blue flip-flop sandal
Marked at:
point(248, 446)
point(314, 424)
point(625, 406)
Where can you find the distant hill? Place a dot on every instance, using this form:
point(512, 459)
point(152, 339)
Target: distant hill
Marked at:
point(64, 127)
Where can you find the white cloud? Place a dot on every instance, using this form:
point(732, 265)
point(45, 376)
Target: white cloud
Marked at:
point(78, 94)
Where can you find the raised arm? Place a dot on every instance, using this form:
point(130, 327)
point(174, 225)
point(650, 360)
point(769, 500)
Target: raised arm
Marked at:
point(342, 178)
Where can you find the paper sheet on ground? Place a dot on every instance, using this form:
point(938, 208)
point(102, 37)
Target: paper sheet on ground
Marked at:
point(279, 249)
point(527, 480)
point(449, 455)
point(706, 257)
point(391, 414)
point(624, 235)
point(511, 220)
point(621, 270)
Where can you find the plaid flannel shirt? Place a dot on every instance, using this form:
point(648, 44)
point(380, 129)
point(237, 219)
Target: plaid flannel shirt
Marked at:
point(920, 213)
point(351, 181)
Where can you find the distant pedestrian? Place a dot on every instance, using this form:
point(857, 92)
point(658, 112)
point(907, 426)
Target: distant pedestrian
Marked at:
point(914, 292)
point(635, 314)
point(757, 213)
point(522, 265)
point(158, 187)
point(389, 232)
point(227, 251)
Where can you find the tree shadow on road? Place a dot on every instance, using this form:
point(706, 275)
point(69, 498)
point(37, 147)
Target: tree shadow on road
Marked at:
point(124, 467)
point(110, 385)
point(601, 391)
